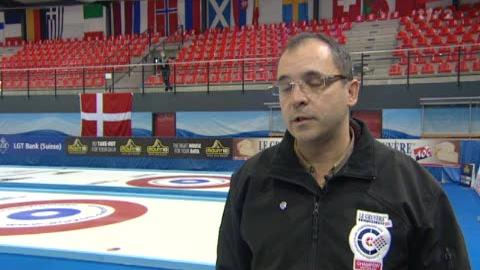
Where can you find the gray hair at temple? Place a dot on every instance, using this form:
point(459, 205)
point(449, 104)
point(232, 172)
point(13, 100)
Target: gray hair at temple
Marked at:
point(340, 56)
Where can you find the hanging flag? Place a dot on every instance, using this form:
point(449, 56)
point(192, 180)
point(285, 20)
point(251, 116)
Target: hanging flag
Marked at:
point(218, 13)
point(52, 22)
point(94, 20)
point(151, 16)
point(139, 21)
point(295, 10)
point(181, 12)
point(376, 6)
point(73, 25)
point(192, 14)
point(367, 6)
point(256, 12)
point(240, 8)
point(166, 17)
point(92, 11)
point(34, 32)
point(2, 27)
point(270, 12)
point(14, 25)
point(405, 7)
point(346, 8)
point(128, 17)
point(117, 23)
point(108, 114)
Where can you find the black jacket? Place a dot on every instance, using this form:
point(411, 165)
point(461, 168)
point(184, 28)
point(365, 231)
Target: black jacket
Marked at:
point(277, 217)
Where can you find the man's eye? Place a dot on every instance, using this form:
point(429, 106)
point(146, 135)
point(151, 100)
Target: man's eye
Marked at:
point(314, 82)
point(285, 86)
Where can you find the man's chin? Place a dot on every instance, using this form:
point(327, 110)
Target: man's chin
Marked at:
point(305, 135)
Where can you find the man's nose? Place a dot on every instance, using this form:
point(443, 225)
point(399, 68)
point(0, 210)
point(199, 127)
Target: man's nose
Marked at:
point(298, 92)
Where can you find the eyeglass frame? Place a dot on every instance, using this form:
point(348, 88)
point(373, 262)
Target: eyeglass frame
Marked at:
point(327, 80)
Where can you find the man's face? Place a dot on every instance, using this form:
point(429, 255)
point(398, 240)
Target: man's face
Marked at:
point(314, 113)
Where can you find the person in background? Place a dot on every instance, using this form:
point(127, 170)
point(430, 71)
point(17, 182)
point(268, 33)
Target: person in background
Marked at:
point(329, 196)
point(165, 69)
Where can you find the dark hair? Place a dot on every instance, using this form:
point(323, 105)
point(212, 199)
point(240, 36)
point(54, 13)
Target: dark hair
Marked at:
point(341, 58)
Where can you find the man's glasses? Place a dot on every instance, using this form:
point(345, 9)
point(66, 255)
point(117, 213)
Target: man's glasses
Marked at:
point(309, 84)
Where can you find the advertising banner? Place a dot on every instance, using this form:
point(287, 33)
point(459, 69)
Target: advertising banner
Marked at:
point(151, 147)
point(432, 152)
point(248, 147)
point(476, 183)
point(30, 145)
point(467, 174)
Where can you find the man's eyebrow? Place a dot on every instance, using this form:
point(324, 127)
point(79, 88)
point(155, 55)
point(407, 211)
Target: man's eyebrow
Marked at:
point(306, 74)
point(283, 77)
point(313, 73)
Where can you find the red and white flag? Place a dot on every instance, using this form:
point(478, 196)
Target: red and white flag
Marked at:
point(347, 8)
point(163, 16)
point(108, 114)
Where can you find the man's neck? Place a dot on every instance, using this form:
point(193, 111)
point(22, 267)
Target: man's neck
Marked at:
point(323, 155)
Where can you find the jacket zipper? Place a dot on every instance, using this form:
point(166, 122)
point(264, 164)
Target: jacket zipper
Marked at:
point(315, 233)
point(448, 258)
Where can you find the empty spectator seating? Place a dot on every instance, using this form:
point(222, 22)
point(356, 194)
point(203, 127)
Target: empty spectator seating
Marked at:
point(69, 63)
point(440, 35)
point(249, 51)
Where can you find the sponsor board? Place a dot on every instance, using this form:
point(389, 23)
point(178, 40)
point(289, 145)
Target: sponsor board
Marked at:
point(467, 174)
point(476, 183)
point(248, 147)
point(438, 152)
point(30, 145)
point(151, 147)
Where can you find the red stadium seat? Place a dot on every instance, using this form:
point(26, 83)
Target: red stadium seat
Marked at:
point(371, 17)
point(428, 68)
point(416, 33)
point(444, 31)
point(464, 67)
point(445, 50)
point(395, 70)
point(428, 51)
point(402, 35)
point(403, 60)
point(469, 57)
point(404, 19)
point(436, 41)
point(475, 28)
point(436, 58)
point(467, 21)
point(382, 16)
point(437, 23)
point(468, 38)
point(422, 41)
point(453, 57)
point(459, 30)
point(444, 67)
point(452, 23)
point(476, 65)
point(452, 39)
point(359, 19)
point(423, 25)
point(412, 69)
point(419, 59)
point(399, 52)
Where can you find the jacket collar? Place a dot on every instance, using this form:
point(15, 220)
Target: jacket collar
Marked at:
point(360, 165)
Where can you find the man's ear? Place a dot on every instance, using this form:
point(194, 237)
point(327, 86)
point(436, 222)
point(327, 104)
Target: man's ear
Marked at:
point(353, 91)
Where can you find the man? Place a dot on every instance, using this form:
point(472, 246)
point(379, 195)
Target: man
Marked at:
point(329, 196)
point(165, 69)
